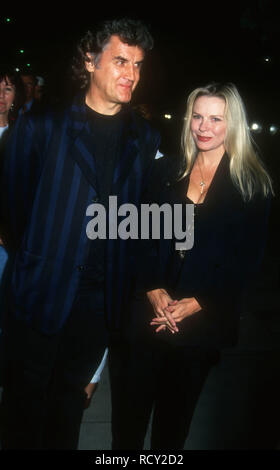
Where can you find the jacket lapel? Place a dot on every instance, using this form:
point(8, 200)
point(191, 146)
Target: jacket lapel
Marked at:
point(221, 185)
point(129, 149)
point(81, 141)
point(81, 146)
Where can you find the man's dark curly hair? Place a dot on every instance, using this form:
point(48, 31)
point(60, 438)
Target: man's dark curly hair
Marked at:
point(132, 32)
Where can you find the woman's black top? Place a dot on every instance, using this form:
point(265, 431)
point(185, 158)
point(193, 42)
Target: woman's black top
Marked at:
point(229, 242)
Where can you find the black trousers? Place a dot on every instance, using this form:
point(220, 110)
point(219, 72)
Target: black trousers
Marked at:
point(154, 375)
point(45, 376)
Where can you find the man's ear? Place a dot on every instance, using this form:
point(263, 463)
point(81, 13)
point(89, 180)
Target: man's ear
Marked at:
point(89, 63)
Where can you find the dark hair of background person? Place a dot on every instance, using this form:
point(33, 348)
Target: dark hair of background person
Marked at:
point(130, 31)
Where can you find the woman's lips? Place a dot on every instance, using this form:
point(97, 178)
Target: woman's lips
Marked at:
point(203, 139)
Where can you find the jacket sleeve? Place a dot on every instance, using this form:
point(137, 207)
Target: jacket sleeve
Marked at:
point(150, 274)
point(232, 274)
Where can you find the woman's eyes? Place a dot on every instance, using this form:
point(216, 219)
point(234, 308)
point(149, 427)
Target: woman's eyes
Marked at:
point(214, 119)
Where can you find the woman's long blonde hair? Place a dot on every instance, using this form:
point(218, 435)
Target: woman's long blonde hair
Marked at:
point(246, 169)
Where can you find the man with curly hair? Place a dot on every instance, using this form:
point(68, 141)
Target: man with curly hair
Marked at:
point(69, 292)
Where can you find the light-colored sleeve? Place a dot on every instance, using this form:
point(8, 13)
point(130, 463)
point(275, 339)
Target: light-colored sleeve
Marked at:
point(98, 372)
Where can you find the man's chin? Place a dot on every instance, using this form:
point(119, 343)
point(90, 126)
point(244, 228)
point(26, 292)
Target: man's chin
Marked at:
point(125, 98)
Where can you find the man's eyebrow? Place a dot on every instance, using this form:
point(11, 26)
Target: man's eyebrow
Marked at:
point(123, 59)
point(119, 57)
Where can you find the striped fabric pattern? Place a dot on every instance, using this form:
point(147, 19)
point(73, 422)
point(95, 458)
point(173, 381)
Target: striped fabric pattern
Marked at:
point(49, 181)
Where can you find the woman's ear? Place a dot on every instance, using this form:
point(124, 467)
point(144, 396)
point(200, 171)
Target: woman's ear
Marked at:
point(89, 63)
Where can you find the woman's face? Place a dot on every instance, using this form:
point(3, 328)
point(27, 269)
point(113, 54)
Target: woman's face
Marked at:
point(7, 95)
point(208, 123)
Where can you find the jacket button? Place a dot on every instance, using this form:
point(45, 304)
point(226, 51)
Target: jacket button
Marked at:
point(80, 268)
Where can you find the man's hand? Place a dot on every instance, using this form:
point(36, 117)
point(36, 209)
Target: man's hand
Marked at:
point(90, 389)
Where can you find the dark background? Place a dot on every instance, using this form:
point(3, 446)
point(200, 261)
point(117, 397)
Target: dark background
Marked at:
point(195, 43)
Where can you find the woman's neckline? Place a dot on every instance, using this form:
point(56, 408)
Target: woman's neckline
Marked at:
point(210, 187)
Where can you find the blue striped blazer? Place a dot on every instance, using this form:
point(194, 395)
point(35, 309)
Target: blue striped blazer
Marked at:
point(49, 182)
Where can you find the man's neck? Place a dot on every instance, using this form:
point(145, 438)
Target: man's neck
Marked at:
point(108, 109)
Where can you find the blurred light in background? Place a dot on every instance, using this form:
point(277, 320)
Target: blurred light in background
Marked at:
point(258, 128)
point(273, 129)
point(255, 127)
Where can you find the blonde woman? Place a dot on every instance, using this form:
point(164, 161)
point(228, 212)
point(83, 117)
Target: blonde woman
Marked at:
point(195, 297)
point(215, 137)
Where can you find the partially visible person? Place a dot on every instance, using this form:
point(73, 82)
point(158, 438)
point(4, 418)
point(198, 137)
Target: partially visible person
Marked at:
point(29, 82)
point(10, 101)
point(194, 298)
point(11, 98)
point(39, 88)
point(7, 98)
point(33, 96)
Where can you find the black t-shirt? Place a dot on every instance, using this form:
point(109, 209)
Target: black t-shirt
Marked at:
point(106, 140)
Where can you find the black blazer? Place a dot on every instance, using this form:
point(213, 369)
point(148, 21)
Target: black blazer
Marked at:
point(229, 241)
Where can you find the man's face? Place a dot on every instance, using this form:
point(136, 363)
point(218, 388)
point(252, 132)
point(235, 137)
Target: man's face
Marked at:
point(115, 77)
point(29, 87)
